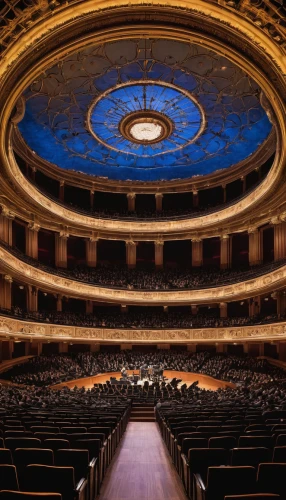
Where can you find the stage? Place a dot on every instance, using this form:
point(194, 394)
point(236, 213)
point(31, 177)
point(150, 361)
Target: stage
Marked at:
point(205, 382)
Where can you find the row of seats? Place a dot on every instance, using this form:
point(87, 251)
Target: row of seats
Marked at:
point(58, 451)
point(218, 452)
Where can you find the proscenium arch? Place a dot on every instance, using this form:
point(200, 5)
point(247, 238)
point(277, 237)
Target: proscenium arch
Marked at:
point(181, 34)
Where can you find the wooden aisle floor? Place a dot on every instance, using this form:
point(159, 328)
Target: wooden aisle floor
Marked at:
point(141, 468)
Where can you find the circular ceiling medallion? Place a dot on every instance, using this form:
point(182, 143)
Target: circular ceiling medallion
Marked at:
point(146, 118)
point(146, 127)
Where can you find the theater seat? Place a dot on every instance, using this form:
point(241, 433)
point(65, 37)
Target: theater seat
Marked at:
point(250, 456)
point(19, 495)
point(49, 479)
point(8, 478)
point(5, 457)
point(56, 444)
point(271, 478)
point(223, 481)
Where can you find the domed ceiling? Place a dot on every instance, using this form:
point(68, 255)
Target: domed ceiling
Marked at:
point(144, 110)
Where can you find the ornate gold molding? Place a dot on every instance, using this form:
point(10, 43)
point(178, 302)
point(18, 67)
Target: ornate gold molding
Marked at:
point(55, 35)
point(12, 329)
point(22, 272)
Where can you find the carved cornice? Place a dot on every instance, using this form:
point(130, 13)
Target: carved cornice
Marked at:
point(11, 328)
point(23, 272)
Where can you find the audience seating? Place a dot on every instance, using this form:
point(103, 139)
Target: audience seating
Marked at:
point(222, 481)
point(271, 478)
point(8, 478)
point(50, 479)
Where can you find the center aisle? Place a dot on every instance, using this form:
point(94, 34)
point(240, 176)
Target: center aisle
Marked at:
point(142, 468)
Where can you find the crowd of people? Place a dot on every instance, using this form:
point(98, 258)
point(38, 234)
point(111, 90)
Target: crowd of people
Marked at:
point(119, 276)
point(258, 384)
point(148, 318)
point(48, 370)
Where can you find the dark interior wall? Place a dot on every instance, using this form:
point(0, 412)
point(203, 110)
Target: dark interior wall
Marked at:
point(178, 253)
point(177, 201)
point(240, 249)
point(145, 202)
point(46, 247)
point(18, 295)
point(111, 252)
point(19, 236)
point(47, 184)
point(77, 197)
point(46, 301)
point(268, 306)
point(19, 349)
point(270, 350)
point(145, 254)
point(50, 348)
point(73, 305)
point(211, 252)
point(235, 350)
point(110, 201)
point(234, 190)
point(211, 197)
point(238, 309)
point(76, 253)
point(268, 244)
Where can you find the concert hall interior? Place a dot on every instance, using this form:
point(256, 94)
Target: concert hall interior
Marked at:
point(142, 249)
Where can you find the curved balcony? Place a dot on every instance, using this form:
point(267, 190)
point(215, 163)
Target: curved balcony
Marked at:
point(14, 328)
point(250, 284)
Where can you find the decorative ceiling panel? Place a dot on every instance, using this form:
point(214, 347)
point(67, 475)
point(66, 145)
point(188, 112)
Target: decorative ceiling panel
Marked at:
point(205, 111)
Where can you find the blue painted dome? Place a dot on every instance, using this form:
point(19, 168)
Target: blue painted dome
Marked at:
point(144, 110)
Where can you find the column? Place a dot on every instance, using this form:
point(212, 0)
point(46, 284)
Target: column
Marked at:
point(245, 348)
point(225, 254)
point(130, 254)
point(159, 202)
point(61, 249)
point(32, 240)
point(91, 198)
point(91, 252)
point(131, 198)
point(223, 310)
point(89, 307)
point(254, 306)
point(243, 180)
point(62, 191)
point(197, 252)
point(255, 247)
point(6, 292)
point(195, 310)
point(59, 303)
point(6, 219)
point(195, 198)
point(159, 253)
point(32, 298)
point(279, 240)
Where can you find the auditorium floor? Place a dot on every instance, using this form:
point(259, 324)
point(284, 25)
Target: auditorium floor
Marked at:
point(142, 468)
